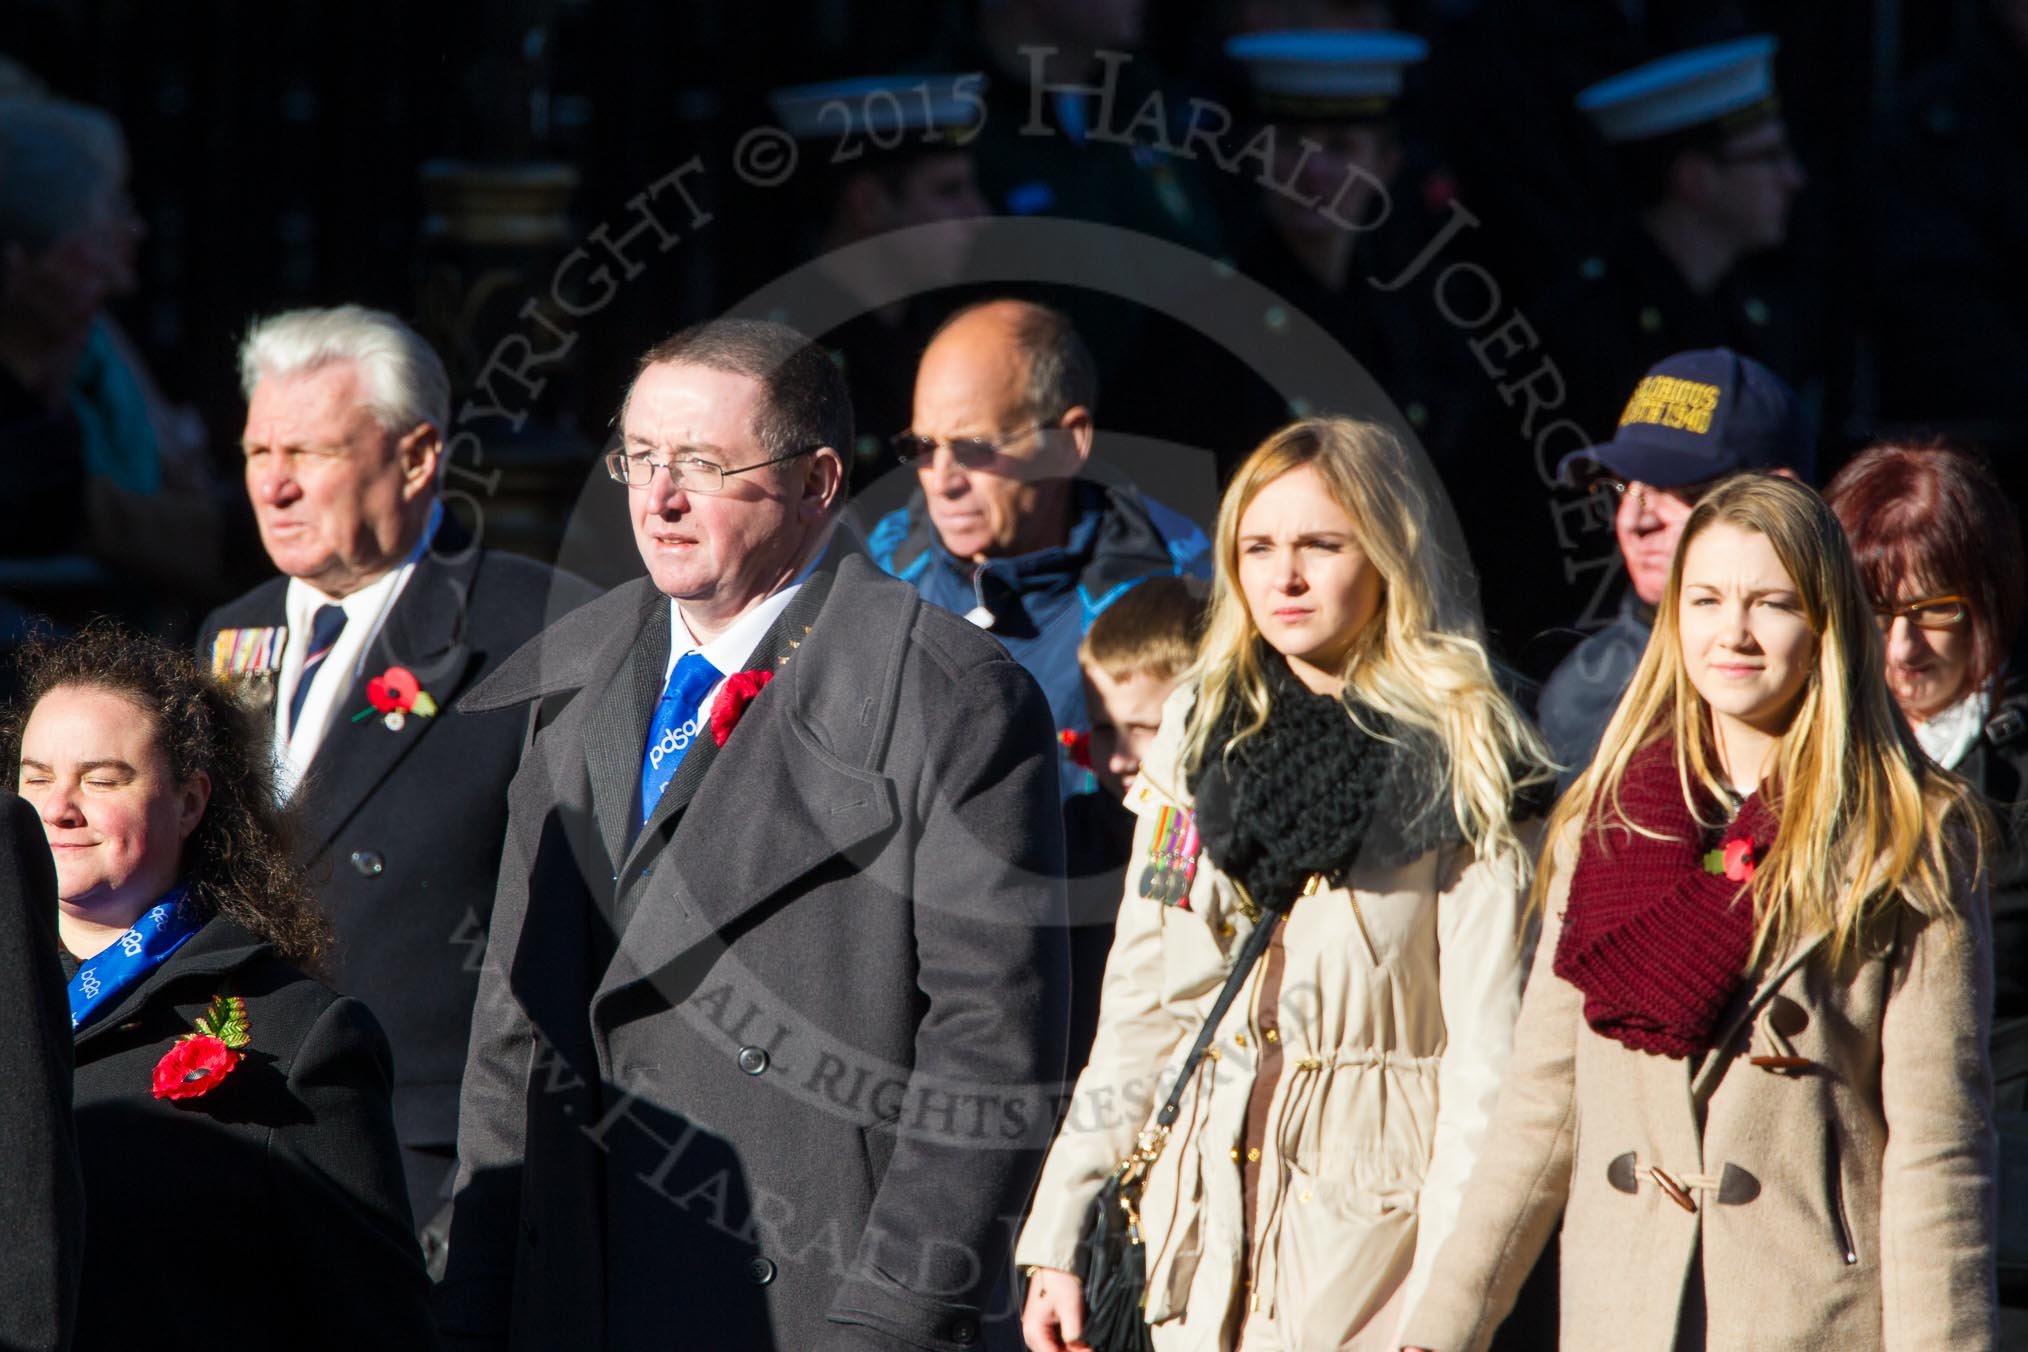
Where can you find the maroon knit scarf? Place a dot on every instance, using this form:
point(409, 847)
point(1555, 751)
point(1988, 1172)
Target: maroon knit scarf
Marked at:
point(1658, 941)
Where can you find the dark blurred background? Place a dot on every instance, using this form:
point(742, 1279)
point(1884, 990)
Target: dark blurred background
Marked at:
point(438, 159)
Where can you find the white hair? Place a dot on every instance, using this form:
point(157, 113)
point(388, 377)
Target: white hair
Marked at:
point(404, 378)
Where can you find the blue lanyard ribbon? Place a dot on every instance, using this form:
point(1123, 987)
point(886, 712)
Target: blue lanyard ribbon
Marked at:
point(124, 962)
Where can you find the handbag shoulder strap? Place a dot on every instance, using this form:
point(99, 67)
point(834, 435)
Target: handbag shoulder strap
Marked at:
point(1249, 954)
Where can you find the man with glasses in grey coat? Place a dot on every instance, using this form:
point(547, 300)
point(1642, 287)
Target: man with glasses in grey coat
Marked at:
point(776, 998)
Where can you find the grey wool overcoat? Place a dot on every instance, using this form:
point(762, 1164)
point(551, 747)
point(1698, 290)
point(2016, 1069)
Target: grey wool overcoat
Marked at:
point(776, 1074)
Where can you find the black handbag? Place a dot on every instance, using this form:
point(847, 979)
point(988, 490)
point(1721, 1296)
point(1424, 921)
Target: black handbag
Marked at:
point(1113, 1258)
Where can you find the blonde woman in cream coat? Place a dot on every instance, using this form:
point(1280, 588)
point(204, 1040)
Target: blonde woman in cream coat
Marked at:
point(1324, 1142)
point(1800, 1154)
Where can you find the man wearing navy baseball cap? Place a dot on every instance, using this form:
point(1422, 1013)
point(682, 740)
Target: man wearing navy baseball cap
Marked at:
point(1705, 177)
point(1693, 419)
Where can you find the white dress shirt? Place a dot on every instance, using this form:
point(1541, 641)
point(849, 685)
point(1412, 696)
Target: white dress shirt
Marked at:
point(366, 611)
point(731, 650)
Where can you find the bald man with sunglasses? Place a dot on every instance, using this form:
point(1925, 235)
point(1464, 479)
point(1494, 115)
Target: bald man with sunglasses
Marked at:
point(1008, 525)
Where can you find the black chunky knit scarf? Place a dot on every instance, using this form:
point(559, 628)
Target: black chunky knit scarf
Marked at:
point(1311, 792)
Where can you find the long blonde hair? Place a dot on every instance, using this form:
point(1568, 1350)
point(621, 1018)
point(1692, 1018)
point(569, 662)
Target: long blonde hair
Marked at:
point(1864, 820)
point(1422, 661)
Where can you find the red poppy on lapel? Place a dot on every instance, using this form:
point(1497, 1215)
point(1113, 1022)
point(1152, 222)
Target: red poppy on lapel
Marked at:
point(395, 694)
point(730, 706)
point(1077, 745)
point(193, 1067)
point(199, 1060)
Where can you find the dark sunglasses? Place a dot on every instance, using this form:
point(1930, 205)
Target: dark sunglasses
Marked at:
point(912, 448)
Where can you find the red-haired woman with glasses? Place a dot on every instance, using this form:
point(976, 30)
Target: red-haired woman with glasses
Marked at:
point(1941, 552)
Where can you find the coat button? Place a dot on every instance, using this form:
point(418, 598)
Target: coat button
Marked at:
point(369, 863)
point(753, 1060)
point(965, 1332)
point(759, 1271)
point(1736, 1187)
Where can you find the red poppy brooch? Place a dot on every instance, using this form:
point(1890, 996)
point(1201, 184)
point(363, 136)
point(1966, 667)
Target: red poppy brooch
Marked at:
point(199, 1060)
point(1076, 745)
point(394, 695)
point(1734, 859)
point(733, 697)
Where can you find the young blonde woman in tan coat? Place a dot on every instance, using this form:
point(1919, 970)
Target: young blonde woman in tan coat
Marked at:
point(1341, 731)
point(1750, 1072)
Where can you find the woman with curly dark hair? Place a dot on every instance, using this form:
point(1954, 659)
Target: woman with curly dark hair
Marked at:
point(233, 1116)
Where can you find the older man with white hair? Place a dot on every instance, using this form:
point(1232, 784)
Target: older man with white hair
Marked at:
point(387, 609)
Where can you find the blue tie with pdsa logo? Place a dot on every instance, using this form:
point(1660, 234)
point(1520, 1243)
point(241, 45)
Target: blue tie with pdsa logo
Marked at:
point(677, 724)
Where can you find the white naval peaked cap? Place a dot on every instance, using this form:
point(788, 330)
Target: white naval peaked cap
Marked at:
point(1687, 89)
point(1326, 72)
point(925, 102)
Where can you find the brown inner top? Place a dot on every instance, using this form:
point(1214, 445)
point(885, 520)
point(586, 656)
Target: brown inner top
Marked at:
point(1253, 1140)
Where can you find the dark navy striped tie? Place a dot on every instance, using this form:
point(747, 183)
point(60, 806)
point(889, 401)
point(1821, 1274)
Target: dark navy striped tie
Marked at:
point(325, 626)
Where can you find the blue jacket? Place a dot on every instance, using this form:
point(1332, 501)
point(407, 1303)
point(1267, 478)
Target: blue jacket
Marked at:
point(1043, 602)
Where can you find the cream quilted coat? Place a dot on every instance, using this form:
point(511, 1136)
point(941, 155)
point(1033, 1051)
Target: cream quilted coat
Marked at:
point(1396, 1012)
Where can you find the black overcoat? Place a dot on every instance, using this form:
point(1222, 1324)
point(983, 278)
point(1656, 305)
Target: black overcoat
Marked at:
point(401, 830)
point(268, 1212)
point(799, 1103)
point(1997, 766)
point(41, 1197)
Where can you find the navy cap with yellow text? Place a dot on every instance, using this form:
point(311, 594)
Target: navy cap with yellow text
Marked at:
point(1696, 416)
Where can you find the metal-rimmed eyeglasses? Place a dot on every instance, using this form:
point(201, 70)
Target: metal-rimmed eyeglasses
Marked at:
point(1932, 612)
point(691, 473)
point(913, 448)
point(1615, 490)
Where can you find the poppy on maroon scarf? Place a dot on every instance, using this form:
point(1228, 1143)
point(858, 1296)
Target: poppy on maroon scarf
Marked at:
point(1655, 939)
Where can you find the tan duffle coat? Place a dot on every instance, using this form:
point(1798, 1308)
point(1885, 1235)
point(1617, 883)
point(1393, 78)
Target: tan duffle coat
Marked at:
point(1395, 1012)
point(1842, 1186)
